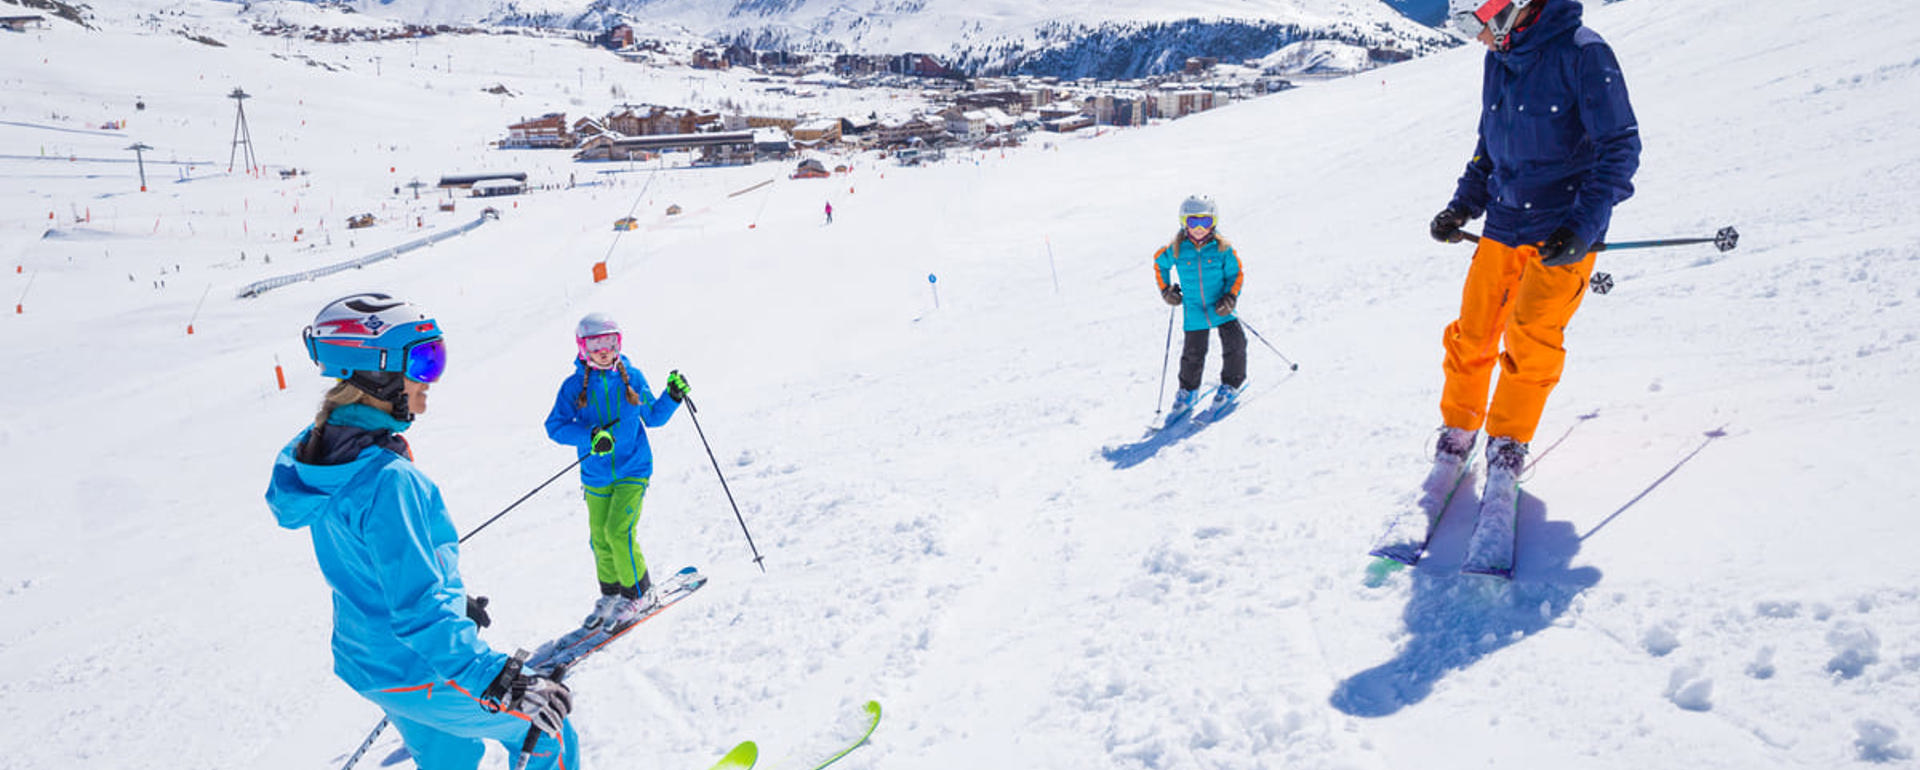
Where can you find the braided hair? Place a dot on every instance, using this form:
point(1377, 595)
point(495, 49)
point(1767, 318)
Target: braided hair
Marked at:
point(586, 378)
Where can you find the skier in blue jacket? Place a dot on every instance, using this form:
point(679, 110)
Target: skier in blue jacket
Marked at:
point(603, 411)
point(405, 633)
point(1208, 293)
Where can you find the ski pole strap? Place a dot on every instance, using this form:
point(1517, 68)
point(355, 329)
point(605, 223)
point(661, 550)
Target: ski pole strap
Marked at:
point(533, 733)
point(494, 698)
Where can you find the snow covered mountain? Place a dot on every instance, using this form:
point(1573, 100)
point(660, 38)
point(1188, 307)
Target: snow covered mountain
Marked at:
point(1716, 567)
point(1104, 40)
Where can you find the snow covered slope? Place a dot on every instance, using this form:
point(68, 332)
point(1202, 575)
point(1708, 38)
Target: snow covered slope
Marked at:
point(1714, 568)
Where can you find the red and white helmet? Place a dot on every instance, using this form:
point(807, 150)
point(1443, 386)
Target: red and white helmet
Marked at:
point(1496, 17)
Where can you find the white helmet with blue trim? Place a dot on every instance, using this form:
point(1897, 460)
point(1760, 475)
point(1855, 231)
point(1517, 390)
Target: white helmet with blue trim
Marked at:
point(374, 332)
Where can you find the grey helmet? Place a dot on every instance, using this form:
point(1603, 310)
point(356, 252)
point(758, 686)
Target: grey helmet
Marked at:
point(594, 325)
point(1197, 205)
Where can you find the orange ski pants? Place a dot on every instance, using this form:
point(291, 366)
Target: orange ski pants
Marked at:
point(1509, 297)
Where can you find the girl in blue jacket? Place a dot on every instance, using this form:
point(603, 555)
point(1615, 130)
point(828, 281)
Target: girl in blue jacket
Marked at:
point(603, 411)
point(405, 634)
point(1208, 292)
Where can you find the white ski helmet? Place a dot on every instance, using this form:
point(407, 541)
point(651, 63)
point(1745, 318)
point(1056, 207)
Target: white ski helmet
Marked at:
point(376, 343)
point(373, 332)
point(594, 325)
point(1496, 17)
point(591, 326)
point(1197, 206)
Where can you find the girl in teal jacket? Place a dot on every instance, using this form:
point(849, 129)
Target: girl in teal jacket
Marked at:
point(1208, 292)
point(603, 411)
point(405, 634)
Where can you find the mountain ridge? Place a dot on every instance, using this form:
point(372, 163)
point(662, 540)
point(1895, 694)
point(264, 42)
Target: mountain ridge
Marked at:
point(1105, 41)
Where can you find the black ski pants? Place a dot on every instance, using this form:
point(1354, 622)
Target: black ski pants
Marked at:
point(1193, 356)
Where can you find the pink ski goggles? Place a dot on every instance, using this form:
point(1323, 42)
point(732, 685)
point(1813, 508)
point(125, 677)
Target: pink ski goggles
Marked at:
point(599, 342)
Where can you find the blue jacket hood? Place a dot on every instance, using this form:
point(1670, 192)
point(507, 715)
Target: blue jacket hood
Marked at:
point(1557, 17)
point(300, 492)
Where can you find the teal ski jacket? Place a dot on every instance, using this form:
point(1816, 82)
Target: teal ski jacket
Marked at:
point(1206, 271)
point(388, 549)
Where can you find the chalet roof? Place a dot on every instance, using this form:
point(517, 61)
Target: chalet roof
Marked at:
point(549, 120)
point(999, 117)
point(670, 141)
point(468, 180)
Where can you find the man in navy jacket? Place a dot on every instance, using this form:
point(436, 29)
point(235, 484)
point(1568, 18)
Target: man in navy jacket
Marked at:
point(1558, 147)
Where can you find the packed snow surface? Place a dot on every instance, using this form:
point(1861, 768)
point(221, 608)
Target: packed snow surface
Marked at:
point(959, 514)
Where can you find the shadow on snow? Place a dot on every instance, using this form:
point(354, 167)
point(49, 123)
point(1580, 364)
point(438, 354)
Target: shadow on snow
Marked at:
point(1454, 620)
point(1126, 456)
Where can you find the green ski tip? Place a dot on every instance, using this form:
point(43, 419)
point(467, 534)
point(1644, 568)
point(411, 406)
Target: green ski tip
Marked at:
point(1378, 571)
point(741, 757)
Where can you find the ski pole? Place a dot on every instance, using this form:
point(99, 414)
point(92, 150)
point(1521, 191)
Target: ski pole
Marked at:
point(1263, 341)
point(368, 743)
point(1165, 357)
point(1726, 239)
point(516, 503)
point(533, 732)
point(692, 413)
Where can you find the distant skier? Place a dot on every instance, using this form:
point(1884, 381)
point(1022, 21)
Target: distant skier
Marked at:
point(603, 410)
point(1558, 148)
point(1205, 263)
point(405, 632)
point(829, 212)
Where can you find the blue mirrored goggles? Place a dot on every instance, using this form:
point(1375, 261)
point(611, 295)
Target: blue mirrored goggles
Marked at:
point(427, 360)
point(1200, 220)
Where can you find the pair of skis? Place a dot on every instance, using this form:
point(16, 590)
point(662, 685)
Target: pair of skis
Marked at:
point(848, 734)
point(1410, 530)
point(577, 644)
point(1200, 418)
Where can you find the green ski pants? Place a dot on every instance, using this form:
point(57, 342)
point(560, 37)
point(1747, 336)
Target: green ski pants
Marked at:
point(612, 513)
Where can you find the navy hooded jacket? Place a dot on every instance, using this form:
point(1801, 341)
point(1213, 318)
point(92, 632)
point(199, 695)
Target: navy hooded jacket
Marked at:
point(1558, 140)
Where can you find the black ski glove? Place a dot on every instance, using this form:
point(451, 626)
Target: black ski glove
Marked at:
point(677, 387)
point(543, 701)
point(602, 441)
point(477, 611)
point(1445, 227)
point(1172, 295)
point(1225, 305)
point(1561, 248)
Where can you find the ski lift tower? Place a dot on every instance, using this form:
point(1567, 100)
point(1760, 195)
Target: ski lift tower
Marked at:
point(241, 135)
point(139, 157)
